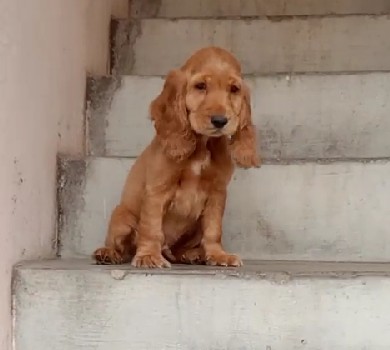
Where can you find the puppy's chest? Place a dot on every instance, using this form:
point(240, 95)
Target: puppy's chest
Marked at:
point(192, 190)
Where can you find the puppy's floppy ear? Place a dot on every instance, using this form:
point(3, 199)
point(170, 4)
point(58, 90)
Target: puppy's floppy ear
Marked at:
point(169, 113)
point(243, 142)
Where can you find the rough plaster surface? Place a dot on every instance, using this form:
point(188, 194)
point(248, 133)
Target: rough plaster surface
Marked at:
point(46, 47)
point(251, 8)
point(336, 211)
point(100, 93)
point(297, 117)
point(303, 44)
point(268, 306)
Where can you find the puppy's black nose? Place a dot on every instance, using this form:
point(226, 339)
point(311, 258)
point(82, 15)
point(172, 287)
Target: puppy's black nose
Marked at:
point(219, 121)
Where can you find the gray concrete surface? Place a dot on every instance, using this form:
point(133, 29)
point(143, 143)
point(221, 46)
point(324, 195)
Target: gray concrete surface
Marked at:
point(262, 306)
point(304, 44)
point(298, 116)
point(301, 211)
point(251, 8)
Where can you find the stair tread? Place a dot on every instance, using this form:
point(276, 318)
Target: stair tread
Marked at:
point(86, 306)
point(261, 268)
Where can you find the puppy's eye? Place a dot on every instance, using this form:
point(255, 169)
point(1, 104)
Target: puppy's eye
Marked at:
point(234, 89)
point(200, 86)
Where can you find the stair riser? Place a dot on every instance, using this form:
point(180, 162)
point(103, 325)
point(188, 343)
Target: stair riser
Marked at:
point(234, 8)
point(335, 211)
point(98, 310)
point(320, 44)
point(297, 117)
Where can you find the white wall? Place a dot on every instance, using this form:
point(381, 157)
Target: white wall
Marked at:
point(46, 48)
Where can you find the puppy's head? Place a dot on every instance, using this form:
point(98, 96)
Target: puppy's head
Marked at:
point(208, 97)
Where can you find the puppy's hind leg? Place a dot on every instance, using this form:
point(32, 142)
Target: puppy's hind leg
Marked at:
point(120, 241)
point(188, 250)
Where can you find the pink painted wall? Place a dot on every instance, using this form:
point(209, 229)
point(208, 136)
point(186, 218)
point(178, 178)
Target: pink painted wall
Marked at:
point(46, 48)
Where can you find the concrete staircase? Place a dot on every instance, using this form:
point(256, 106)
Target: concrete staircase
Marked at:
point(312, 224)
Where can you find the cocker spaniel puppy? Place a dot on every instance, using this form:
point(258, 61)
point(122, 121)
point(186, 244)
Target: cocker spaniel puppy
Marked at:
point(174, 198)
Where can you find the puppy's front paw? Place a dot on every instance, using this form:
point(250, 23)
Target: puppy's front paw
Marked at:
point(223, 259)
point(107, 256)
point(150, 261)
point(193, 256)
point(248, 160)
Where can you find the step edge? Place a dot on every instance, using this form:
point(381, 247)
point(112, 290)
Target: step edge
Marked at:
point(275, 75)
point(271, 18)
point(266, 161)
point(262, 269)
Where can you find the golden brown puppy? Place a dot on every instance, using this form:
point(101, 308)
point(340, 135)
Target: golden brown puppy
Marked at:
point(174, 197)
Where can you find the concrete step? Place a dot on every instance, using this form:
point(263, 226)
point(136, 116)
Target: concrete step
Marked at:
point(298, 116)
point(298, 211)
point(71, 305)
point(251, 8)
point(264, 46)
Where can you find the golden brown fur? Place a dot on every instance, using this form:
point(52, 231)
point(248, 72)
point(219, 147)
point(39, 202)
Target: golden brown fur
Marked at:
point(174, 197)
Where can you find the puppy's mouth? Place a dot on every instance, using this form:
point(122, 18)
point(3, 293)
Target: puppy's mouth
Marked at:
point(210, 132)
point(215, 132)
